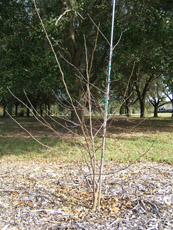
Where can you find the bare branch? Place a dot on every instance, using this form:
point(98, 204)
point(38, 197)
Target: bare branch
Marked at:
point(59, 18)
point(118, 41)
point(45, 146)
point(129, 165)
point(99, 29)
point(63, 79)
point(44, 122)
point(81, 75)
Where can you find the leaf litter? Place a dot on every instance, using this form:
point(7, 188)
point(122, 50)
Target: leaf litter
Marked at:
point(43, 194)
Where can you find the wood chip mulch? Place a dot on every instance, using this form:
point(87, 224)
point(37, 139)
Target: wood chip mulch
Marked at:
point(52, 195)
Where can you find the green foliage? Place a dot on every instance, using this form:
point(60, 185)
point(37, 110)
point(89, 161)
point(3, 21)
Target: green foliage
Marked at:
point(145, 41)
point(27, 61)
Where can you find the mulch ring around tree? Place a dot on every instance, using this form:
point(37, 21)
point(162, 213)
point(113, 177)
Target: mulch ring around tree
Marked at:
point(43, 194)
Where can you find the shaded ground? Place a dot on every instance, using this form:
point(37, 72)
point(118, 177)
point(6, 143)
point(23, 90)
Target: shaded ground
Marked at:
point(127, 139)
point(52, 195)
point(118, 125)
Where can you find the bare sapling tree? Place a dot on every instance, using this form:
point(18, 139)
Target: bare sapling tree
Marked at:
point(89, 133)
point(92, 135)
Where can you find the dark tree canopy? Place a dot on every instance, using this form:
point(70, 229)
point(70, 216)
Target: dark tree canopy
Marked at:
point(27, 62)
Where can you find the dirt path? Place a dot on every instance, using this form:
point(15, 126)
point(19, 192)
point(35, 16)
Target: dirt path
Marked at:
point(53, 195)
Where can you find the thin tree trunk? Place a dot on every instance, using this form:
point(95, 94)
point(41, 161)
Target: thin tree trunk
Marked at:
point(27, 112)
point(128, 109)
point(142, 108)
point(41, 110)
point(122, 110)
point(48, 108)
point(16, 110)
point(156, 106)
point(10, 107)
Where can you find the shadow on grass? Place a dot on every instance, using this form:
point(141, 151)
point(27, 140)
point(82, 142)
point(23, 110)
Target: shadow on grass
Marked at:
point(8, 126)
point(29, 148)
point(131, 136)
point(141, 125)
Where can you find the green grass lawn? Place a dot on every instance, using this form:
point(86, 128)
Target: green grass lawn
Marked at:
point(126, 141)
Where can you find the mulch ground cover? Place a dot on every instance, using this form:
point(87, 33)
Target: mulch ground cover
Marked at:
point(43, 194)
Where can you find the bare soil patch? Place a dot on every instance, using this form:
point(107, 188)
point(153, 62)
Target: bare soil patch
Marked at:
point(45, 194)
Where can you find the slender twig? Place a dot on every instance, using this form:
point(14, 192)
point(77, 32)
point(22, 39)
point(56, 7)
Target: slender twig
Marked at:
point(65, 12)
point(81, 75)
point(93, 160)
point(91, 84)
point(45, 146)
point(59, 18)
point(98, 29)
point(118, 41)
point(123, 99)
point(129, 165)
point(63, 80)
point(59, 123)
point(44, 122)
point(93, 52)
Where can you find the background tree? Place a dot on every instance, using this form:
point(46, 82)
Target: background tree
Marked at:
point(145, 40)
point(27, 62)
point(145, 29)
point(157, 97)
point(169, 89)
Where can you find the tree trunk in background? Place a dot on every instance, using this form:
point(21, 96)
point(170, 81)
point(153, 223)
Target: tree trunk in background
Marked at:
point(16, 110)
point(122, 110)
point(48, 109)
point(10, 107)
point(142, 92)
point(41, 110)
point(78, 103)
point(128, 109)
point(27, 112)
point(156, 106)
point(172, 104)
point(142, 108)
